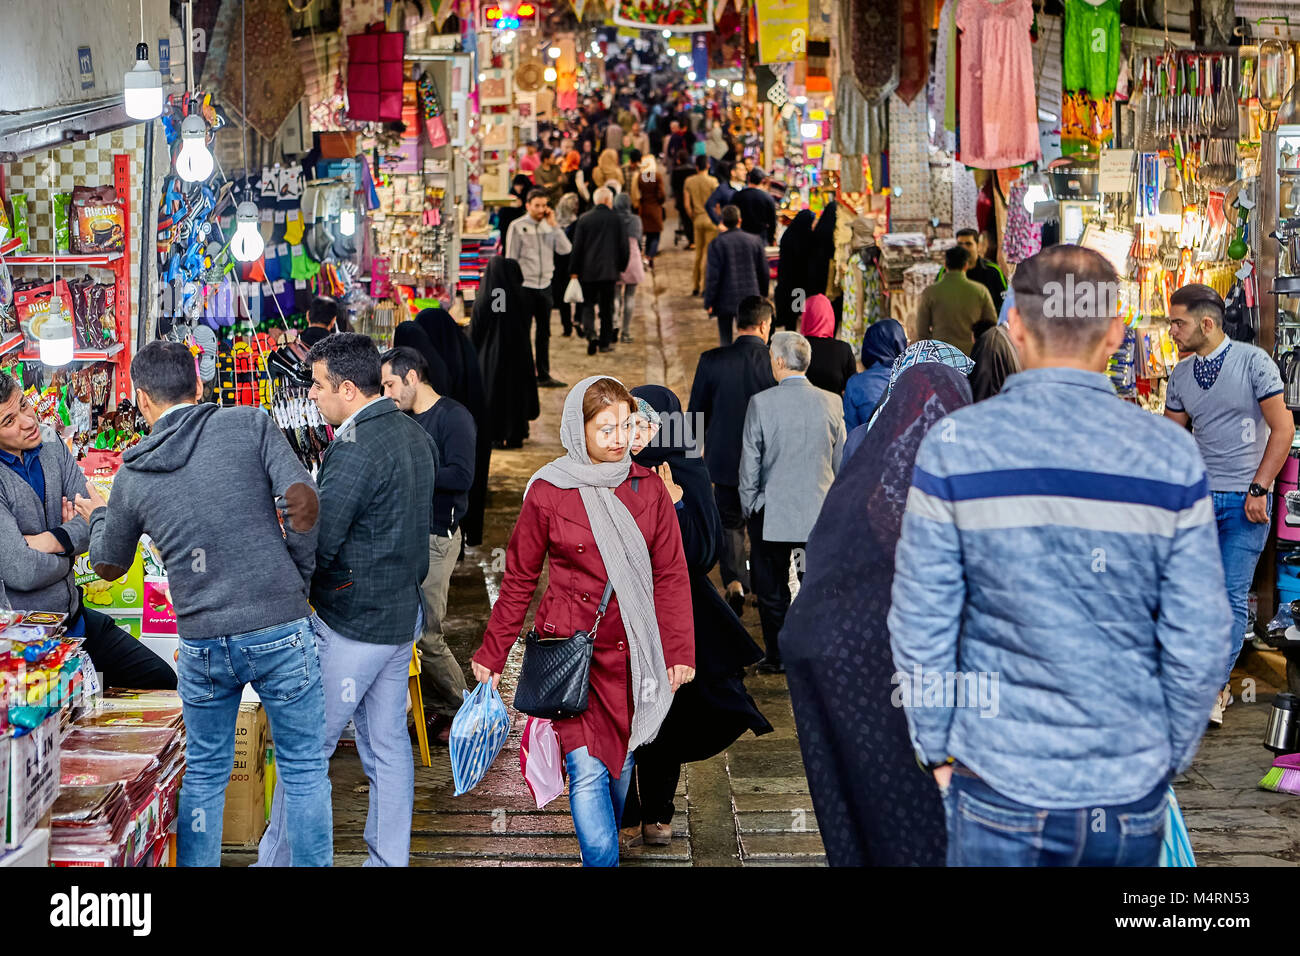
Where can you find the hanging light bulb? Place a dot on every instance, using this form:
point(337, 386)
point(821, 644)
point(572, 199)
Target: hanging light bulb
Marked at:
point(691, 76)
point(1170, 206)
point(1036, 190)
point(711, 83)
point(738, 88)
point(810, 130)
point(800, 100)
point(143, 87)
point(554, 52)
point(56, 335)
point(550, 74)
point(248, 243)
point(194, 162)
point(668, 34)
point(347, 221)
point(683, 61)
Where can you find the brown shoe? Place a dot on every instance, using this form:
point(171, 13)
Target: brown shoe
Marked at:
point(657, 834)
point(629, 837)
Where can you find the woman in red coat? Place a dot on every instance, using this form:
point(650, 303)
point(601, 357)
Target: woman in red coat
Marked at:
point(599, 517)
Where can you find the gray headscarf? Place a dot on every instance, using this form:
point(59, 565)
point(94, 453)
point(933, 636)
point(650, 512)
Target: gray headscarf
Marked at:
point(626, 557)
point(567, 210)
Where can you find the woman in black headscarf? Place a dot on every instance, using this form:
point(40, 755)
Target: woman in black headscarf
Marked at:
point(821, 251)
point(465, 385)
point(499, 330)
point(711, 712)
point(410, 335)
point(792, 270)
point(875, 806)
point(519, 187)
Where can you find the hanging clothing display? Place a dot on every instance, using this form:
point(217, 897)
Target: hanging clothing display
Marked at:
point(909, 163)
point(1090, 51)
point(965, 197)
point(941, 97)
point(875, 35)
point(999, 109)
point(915, 19)
point(864, 296)
point(1022, 237)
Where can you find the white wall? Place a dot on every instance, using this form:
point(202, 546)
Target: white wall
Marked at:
point(39, 41)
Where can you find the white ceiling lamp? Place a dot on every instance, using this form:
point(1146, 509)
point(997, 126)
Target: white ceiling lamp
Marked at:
point(142, 86)
point(668, 34)
point(248, 244)
point(549, 74)
point(738, 88)
point(683, 61)
point(691, 76)
point(711, 83)
point(194, 162)
point(800, 100)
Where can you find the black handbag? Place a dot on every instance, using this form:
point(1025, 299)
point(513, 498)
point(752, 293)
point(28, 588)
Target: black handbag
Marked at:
point(555, 677)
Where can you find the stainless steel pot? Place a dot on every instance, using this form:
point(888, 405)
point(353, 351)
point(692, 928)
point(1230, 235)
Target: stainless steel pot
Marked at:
point(1280, 735)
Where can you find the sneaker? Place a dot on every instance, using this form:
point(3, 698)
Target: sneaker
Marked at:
point(566, 333)
point(657, 834)
point(549, 382)
point(1216, 714)
point(629, 837)
point(625, 339)
point(604, 348)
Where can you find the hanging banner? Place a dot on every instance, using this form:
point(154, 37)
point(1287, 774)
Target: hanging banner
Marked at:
point(782, 30)
point(680, 16)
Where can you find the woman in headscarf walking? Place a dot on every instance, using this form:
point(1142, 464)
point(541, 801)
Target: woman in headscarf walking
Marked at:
point(608, 172)
point(833, 362)
point(602, 521)
point(874, 805)
point(884, 342)
point(792, 270)
point(465, 385)
point(634, 274)
point(651, 197)
point(499, 330)
point(566, 216)
point(710, 713)
point(519, 187)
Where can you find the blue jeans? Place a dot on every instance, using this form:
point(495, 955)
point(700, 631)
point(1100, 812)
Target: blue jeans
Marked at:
point(1241, 542)
point(596, 800)
point(364, 683)
point(282, 665)
point(987, 829)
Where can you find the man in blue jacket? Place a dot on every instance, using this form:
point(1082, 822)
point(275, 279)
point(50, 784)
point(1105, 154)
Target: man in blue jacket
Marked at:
point(1059, 621)
point(737, 268)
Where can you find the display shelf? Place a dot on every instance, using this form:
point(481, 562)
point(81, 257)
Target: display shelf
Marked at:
point(9, 245)
point(81, 355)
point(104, 260)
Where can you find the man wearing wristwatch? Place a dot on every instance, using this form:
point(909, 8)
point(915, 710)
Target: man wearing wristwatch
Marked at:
point(1231, 394)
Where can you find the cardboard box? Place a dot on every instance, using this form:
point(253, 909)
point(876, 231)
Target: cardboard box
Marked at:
point(34, 851)
point(245, 818)
point(33, 779)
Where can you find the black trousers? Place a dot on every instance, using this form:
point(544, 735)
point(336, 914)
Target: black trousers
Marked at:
point(598, 295)
point(539, 307)
point(650, 794)
point(725, 322)
point(733, 563)
point(771, 564)
point(123, 660)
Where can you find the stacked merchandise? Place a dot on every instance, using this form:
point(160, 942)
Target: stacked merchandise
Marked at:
point(120, 775)
point(475, 250)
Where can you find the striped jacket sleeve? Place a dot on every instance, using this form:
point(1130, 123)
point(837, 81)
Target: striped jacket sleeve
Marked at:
point(1194, 624)
point(928, 596)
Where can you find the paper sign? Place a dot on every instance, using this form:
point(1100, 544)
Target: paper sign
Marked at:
point(1115, 170)
point(86, 67)
point(782, 30)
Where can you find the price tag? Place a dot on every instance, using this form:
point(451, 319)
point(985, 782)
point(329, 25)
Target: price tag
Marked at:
point(265, 215)
point(278, 286)
point(1115, 170)
point(300, 283)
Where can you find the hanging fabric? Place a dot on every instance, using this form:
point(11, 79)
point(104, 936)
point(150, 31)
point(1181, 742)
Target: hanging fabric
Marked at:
point(1090, 52)
point(945, 60)
point(1022, 237)
point(999, 108)
point(915, 18)
point(909, 165)
point(875, 46)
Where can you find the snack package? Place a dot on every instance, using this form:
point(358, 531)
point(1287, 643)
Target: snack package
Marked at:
point(5, 229)
point(101, 220)
point(62, 206)
point(19, 225)
point(33, 306)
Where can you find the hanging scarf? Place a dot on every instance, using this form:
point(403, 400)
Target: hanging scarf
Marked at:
point(625, 555)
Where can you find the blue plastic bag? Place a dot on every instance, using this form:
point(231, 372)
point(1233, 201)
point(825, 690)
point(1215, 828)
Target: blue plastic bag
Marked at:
point(1176, 850)
point(478, 732)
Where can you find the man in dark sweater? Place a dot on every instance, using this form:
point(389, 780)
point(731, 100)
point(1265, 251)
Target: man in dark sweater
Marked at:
point(238, 582)
point(984, 271)
point(725, 380)
point(322, 320)
point(41, 535)
point(737, 268)
point(376, 494)
point(757, 208)
point(405, 379)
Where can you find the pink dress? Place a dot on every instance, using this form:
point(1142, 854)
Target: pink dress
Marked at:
point(998, 119)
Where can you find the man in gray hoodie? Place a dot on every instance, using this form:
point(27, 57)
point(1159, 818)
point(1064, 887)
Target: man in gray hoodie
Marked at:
point(208, 486)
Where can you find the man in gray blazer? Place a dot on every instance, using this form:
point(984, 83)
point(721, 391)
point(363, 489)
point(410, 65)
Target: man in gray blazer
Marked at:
point(794, 438)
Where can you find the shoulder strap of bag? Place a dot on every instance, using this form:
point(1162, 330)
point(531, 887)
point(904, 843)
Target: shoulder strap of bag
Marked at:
point(600, 611)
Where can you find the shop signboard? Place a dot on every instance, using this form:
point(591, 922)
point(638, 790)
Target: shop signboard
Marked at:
point(782, 30)
point(33, 778)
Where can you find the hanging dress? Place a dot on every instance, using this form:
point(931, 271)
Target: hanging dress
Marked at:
point(998, 119)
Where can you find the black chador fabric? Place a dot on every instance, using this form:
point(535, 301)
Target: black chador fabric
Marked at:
point(499, 331)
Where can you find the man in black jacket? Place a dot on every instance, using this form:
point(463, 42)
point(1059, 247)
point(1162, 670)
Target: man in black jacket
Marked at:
point(737, 269)
point(449, 424)
point(376, 484)
point(757, 208)
point(600, 254)
point(725, 380)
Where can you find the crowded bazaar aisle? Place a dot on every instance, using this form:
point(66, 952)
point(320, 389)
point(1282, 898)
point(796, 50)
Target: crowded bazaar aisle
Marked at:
point(750, 805)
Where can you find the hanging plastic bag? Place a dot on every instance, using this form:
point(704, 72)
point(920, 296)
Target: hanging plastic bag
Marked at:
point(573, 292)
point(541, 760)
point(1176, 850)
point(478, 732)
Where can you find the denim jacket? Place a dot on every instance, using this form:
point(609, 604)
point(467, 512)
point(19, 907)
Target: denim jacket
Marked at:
point(1059, 555)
